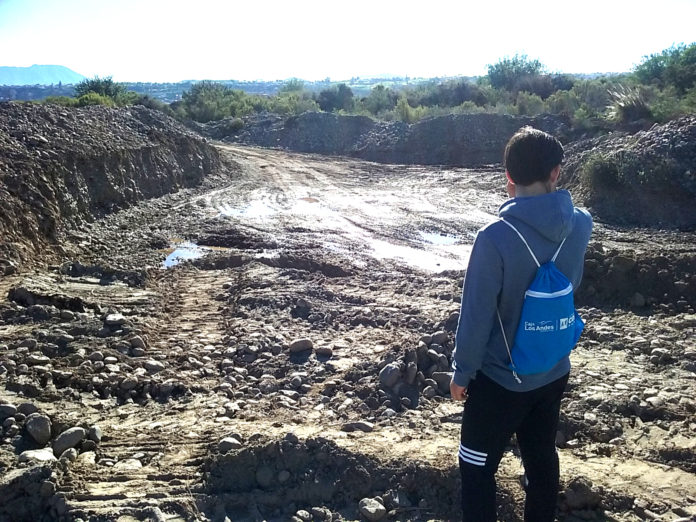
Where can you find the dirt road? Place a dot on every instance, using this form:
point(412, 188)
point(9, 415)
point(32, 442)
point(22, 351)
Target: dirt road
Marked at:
point(294, 364)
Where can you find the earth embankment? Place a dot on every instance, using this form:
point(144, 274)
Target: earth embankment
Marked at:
point(60, 167)
point(642, 179)
point(463, 140)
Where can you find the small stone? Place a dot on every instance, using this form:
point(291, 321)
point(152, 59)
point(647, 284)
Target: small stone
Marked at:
point(440, 337)
point(300, 345)
point(67, 315)
point(69, 454)
point(114, 320)
point(40, 455)
point(283, 476)
point(137, 342)
point(35, 359)
point(7, 410)
point(228, 444)
point(359, 426)
point(68, 439)
point(96, 356)
point(390, 374)
point(429, 392)
point(29, 343)
point(443, 380)
point(27, 408)
point(128, 383)
point(324, 351)
point(153, 366)
point(303, 515)
point(372, 509)
point(637, 301)
point(39, 427)
point(95, 434)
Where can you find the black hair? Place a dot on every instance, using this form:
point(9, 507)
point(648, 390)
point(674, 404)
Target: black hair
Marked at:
point(531, 155)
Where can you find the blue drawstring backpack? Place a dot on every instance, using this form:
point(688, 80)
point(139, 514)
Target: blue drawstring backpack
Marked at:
point(549, 325)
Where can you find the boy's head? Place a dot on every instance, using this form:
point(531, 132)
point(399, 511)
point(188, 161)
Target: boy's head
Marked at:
point(531, 155)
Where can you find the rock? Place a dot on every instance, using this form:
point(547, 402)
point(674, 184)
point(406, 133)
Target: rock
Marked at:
point(95, 434)
point(27, 408)
point(68, 439)
point(29, 343)
point(39, 427)
point(96, 356)
point(69, 454)
point(283, 476)
point(40, 455)
point(300, 345)
point(35, 359)
point(67, 315)
point(622, 264)
point(579, 495)
point(439, 337)
point(114, 320)
point(228, 444)
point(372, 509)
point(429, 392)
point(304, 515)
point(153, 366)
point(359, 426)
point(128, 383)
point(443, 380)
point(7, 410)
point(390, 374)
point(324, 351)
point(137, 342)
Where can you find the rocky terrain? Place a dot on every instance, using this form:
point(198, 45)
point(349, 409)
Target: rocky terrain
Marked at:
point(273, 344)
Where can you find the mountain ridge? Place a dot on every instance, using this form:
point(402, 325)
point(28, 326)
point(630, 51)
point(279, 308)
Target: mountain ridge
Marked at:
point(38, 75)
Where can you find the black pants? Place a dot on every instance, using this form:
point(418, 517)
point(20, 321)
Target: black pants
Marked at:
point(491, 415)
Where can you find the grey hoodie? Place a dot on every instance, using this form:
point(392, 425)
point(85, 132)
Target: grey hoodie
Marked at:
point(500, 271)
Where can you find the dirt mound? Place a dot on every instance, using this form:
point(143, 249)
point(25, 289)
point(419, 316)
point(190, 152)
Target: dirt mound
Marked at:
point(465, 139)
point(647, 178)
point(62, 166)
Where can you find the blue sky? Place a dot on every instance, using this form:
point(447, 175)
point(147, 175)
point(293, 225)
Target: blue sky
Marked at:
point(173, 40)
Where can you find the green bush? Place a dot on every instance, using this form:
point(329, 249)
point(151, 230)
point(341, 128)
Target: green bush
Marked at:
point(529, 104)
point(380, 99)
point(64, 101)
point(627, 105)
point(336, 98)
point(92, 98)
point(209, 101)
point(600, 172)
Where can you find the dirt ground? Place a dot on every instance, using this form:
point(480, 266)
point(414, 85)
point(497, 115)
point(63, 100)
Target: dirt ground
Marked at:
point(273, 346)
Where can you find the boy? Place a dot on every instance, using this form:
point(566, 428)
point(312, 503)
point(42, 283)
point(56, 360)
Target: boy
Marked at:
point(498, 401)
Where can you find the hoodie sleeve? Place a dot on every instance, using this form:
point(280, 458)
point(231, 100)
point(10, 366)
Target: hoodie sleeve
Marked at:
point(482, 284)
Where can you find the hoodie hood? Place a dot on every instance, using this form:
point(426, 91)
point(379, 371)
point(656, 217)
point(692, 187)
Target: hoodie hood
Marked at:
point(552, 214)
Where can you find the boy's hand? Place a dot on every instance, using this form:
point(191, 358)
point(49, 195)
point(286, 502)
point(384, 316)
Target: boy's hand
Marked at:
point(457, 392)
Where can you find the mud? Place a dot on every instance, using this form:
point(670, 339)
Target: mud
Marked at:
point(297, 366)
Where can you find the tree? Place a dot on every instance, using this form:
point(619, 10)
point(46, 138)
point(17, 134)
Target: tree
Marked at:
point(102, 86)
point(336, 98)
point(508, 72)
point(380, 99)
point(675, 66)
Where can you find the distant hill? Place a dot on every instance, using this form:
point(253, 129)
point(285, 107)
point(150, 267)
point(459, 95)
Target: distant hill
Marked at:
point(38, 75)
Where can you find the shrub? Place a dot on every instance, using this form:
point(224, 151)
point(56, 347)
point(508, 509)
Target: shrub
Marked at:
point(92, 98)
point(627, 105)
point(600, 172)
point(529, 104)
point(64, 101)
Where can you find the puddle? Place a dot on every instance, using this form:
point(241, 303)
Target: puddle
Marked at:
point(184, 251)
point(256, 208)
point(422, 259)
point(438, 239)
